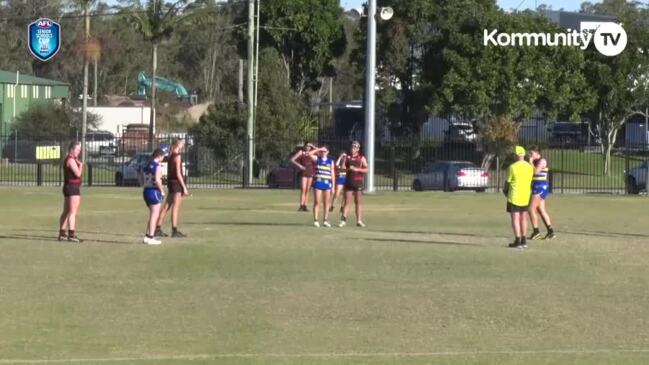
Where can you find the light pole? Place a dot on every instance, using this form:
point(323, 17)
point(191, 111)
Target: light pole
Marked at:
point(370, 87)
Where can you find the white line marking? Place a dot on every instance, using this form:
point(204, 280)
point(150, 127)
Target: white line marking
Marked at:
point(324, 355)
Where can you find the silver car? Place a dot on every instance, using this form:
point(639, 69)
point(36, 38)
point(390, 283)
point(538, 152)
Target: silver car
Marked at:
point(451, 176)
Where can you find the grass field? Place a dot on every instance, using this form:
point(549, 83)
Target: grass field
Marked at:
point(429, 281)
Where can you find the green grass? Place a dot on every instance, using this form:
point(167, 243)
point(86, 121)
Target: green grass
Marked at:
point(429, 281)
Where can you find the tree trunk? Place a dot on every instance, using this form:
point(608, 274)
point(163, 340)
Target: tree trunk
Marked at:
point(152, 123)
point(607, 148)
point(95, 85)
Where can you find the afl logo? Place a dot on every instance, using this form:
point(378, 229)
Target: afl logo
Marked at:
point(44, 38)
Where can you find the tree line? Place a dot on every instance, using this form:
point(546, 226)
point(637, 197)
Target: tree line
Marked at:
point(431, 60)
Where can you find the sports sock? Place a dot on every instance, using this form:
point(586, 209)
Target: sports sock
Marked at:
point(550, 230)
point(174, 229)
point(71, 233)
point(148, 236)
point(61, 232)
point(536, 230)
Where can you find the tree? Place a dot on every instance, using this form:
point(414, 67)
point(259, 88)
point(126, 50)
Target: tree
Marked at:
point(308, 34)
point(156, 21)
point(620, 83)
point(47, 121)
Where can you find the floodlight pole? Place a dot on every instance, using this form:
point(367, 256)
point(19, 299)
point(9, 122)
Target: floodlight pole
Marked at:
point(84, 103)
point(251, 96)
point(370, 91)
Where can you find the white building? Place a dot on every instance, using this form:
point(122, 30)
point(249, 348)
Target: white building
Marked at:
point(115, 118)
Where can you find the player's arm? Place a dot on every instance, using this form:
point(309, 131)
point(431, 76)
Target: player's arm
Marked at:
point(181, 177)
point(510, 178)
point(341, 159)
point(363, 169)
point(541, 165)
point(158, 180)
point(294, 160)
point(77, 170)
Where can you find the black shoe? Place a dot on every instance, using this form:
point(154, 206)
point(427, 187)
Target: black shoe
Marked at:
point(159, 233)
point(515, 244)
point(535, 235)
point(178, 234)
point(549, 236)
point(74, 239)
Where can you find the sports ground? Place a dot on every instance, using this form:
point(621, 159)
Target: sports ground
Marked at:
point(429, 281)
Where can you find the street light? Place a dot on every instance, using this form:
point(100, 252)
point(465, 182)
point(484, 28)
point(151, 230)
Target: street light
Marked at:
point(370, 85)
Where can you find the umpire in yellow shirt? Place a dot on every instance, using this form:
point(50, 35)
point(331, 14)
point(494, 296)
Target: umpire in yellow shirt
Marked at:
point(519, 191)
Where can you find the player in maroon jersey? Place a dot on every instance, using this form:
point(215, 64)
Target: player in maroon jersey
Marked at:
point(356, 166)
point(72, 172)
point(177, 189)
point(303, 161)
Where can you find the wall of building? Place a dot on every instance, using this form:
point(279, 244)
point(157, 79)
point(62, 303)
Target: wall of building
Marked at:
point(115, 119)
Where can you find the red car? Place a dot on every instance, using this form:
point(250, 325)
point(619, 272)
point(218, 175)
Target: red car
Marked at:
point(284, 176)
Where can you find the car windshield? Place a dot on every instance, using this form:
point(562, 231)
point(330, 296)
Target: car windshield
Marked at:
point(465, 165)
point(464, 127)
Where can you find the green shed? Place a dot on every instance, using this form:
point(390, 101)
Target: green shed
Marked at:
point(19, 91)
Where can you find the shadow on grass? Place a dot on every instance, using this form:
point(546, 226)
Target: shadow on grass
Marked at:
point(606, 234)
point(423, 241)
point(79, 232)
point(444, 233)
point(261, 224)
point(28, 237)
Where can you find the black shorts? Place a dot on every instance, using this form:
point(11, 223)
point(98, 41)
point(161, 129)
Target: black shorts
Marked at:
point(174, 187)
point(511, 208)
point(71, 190)
point(353, 188)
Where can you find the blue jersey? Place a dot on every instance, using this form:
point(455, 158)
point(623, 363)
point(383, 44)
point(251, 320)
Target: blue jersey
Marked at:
point(152, 195)
point(540, 184)
point(323, 179)
point(149, 175)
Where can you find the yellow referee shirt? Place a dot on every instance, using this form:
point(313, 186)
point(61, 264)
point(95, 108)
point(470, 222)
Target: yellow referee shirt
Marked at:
point(520, 177)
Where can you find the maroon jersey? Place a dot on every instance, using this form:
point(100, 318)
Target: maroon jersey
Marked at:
point(354, 178)
point(306, 161)
point(173, 173)
point(69, 177)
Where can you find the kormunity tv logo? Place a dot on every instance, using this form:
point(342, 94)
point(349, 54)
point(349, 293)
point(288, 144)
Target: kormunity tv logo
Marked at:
point(609, 38)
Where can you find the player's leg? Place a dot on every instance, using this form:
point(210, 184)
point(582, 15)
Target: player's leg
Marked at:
point(348, 198)
point(546, 220)
point(166, 206)
point(516, 228)
point(358, 201)
point(534, 217)
point(327, 205)
point(75, 201)
point(303, 192)
point(63, 219)
point(154, 213)
point(523, 224)
point(317, 197)
point(175, 216)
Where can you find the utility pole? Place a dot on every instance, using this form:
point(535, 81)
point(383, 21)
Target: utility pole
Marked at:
point(240, 89)
point(84, 108)
point(370, 82)
point(251, 96)
point(257, 57)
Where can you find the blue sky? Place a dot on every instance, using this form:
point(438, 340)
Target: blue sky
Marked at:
point(569, 5)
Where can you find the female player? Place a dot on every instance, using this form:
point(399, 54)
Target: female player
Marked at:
point(153, 194)
point(540, 191)
point(341, 179)
point(323, 183)
point(356, 166)
point(177, 189)
point(72, 173)
point(303, 161)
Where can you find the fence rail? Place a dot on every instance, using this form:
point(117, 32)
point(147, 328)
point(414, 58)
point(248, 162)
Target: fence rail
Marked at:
point(574, 168)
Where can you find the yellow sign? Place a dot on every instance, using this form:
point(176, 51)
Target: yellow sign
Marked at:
point(48, 152)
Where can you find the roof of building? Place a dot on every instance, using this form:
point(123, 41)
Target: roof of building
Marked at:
point(8, 77)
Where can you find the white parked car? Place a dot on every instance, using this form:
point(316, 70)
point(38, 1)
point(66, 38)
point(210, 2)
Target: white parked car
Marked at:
point(451, 176)
point(637, 179)
point(101, 143)
point(460, 133)
point(129, 173)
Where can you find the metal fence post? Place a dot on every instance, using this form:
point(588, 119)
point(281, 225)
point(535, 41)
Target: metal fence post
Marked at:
point(39, 173)
point(89, 174)
point(563, 166)
point(393, 165)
